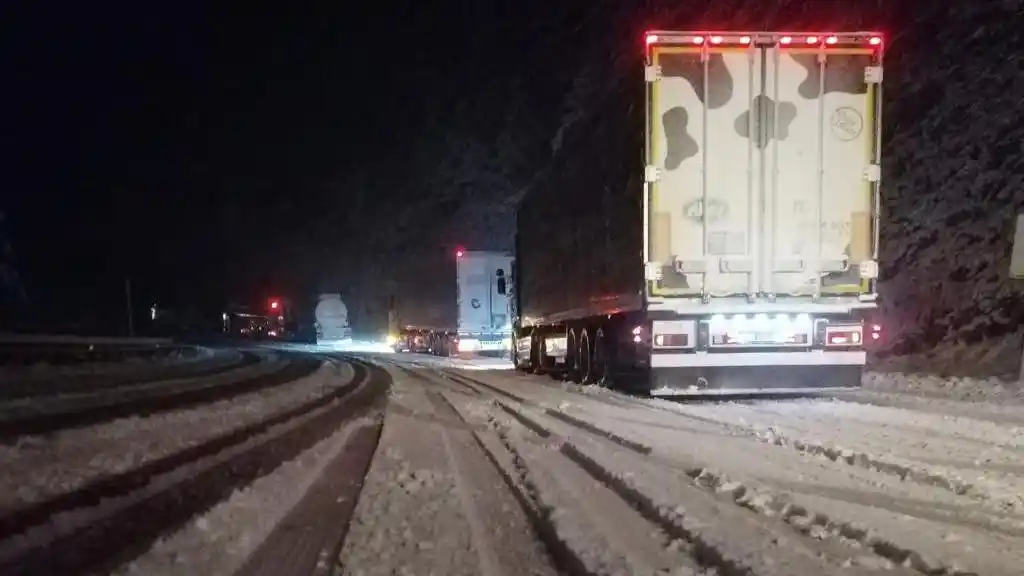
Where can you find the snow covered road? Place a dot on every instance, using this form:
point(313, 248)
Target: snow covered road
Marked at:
point(613, 484)
point(492, 472)
point(91, 501)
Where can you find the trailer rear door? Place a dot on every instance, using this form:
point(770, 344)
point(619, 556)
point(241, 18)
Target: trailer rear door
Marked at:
point(762, 164)
point(481, 308)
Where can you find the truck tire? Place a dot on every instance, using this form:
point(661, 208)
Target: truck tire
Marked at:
point(602, 360)
point(571, 372)
point(586, 359)
point(537, 354)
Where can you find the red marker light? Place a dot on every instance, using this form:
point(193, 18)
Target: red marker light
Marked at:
point(274, 304)
point(744, 39)
point(785, 40)
point(812, 39)
point(698, 40)
point(716, 39)
point(831, 40)
point(651, 38)
point(875, 41)
point(459, 253)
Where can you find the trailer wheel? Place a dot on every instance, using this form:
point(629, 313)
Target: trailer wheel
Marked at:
point(601, 367)
point(586, 360)
point(537, 354)
point(572, 365)
point(515, 355)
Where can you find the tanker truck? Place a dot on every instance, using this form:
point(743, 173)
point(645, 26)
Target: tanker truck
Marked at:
point(331, 320)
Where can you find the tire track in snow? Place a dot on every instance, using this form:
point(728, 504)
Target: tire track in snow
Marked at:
point(851, 518)
point(711, 546)
point(120, 528)
point(461, 519)
point(910, 457)
point(720, 537)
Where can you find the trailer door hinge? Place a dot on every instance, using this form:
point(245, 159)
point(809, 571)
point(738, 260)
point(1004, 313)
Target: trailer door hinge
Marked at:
point(868, 269)
point(873, 75)
point(652, 73)
point(652, 271)
point(873, 173)
point(651, 173)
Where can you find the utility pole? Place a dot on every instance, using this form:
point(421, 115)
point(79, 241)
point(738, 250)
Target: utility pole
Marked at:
point(128, 300)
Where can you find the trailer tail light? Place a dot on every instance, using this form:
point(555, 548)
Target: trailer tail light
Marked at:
point(875, 41)
point(744, 39)
point(716, 39)
point(844, 335)
point(651, 38)
point(671, 340)
point(832, 40)
point(668, 334)
point(812, 40)
point(786, 40)
point(698, 40)
point(876, 332)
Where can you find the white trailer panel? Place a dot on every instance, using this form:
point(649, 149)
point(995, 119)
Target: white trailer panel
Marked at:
point(483, 313)
point(762, 166)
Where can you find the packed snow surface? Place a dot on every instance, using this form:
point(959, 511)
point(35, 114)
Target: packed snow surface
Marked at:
point(40, 467)
point(884, 486)
point(219, 541)
point(432, 503)
point(545, 477)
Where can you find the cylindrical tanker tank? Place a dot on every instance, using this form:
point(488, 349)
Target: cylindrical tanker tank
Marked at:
point(331, 319)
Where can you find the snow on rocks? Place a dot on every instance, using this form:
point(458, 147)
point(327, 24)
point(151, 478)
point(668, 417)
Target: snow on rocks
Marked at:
point(219, 541)
point(432, 504)
point(40, 467)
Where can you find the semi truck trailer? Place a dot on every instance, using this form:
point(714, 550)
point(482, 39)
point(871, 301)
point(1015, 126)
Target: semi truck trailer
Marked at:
point(483, 324)
point(714, 229)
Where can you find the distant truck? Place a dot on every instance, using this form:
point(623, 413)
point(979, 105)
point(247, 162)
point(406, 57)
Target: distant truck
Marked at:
point(331, 320)
point(483, 323)
point(741, 255)
point(411, 339)
point(482, 320)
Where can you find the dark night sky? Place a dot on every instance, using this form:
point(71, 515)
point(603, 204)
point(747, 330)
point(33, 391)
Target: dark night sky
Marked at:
point(214, 152)
point(200, 149)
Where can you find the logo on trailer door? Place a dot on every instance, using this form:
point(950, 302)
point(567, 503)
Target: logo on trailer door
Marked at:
point(847, 124)
point(717, 210)
point(474, 303)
